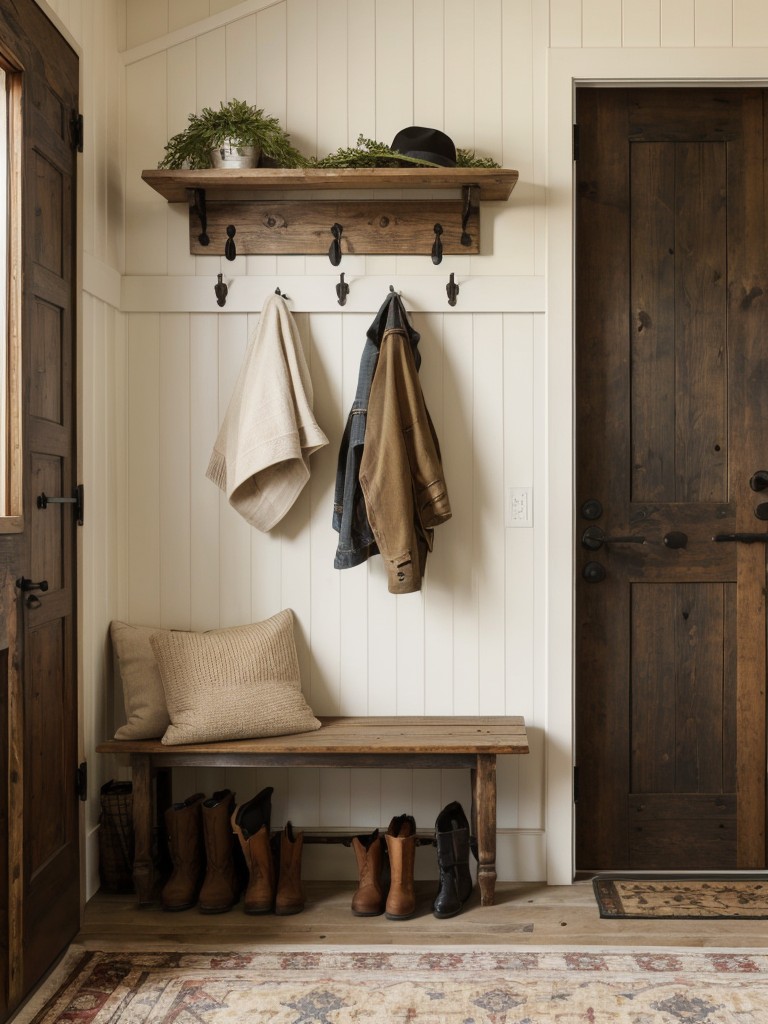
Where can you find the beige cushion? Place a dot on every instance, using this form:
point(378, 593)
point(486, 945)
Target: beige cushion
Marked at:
point(145, 709)
point(232, 684)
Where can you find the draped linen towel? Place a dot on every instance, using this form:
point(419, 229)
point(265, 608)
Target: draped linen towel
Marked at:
point(261, 456)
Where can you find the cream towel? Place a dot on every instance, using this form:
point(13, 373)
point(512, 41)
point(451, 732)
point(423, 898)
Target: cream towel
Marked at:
point(261, 456)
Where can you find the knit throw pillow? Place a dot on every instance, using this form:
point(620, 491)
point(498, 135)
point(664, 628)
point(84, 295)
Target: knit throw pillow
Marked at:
point(137, 672)
point(232, 684)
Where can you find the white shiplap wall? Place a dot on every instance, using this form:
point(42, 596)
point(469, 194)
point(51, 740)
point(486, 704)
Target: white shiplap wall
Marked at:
point(158, 361)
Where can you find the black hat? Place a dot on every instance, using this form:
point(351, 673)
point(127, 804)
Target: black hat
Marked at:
point(426, 144)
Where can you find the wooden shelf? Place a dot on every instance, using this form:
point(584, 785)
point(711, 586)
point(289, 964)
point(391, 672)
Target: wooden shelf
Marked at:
point(492, 183)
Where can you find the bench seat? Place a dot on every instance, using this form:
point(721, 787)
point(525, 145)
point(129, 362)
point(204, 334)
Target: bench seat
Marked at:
point(472, 742)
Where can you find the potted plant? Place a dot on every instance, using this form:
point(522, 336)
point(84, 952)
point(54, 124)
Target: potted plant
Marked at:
point(235, 135)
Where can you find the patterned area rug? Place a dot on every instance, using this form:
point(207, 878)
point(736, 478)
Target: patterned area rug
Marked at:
point(682, 897)
point(418, 985)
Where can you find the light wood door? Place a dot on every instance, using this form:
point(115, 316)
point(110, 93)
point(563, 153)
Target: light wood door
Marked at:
point(672, 390)
point(40, 818)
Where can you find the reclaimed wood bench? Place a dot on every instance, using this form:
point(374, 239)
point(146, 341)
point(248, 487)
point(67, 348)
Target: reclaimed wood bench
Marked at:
point(402, 742)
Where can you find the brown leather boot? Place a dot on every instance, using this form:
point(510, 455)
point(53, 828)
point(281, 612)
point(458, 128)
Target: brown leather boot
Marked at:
point(369, 899)
point(185, 841)
point(401, 847)
point(290, 891)
point(250, 823)
point(220, 890)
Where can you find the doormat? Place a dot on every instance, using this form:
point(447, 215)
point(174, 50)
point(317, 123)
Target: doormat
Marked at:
point(416, 984)
point(682, 896)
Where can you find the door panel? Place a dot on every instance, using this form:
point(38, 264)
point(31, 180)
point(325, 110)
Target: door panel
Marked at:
point(671, 381)
point(40, 813)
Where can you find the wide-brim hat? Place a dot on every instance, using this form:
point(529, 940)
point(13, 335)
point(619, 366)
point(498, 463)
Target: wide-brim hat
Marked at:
point(425, 144)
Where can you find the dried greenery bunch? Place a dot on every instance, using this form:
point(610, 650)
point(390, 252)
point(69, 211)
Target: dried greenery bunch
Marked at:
point(245, 125)
point(370, 153)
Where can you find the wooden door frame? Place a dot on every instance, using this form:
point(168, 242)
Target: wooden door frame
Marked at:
point(567, 70)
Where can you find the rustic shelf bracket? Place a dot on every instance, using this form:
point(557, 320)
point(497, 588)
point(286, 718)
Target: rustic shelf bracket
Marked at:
point(200, 210)
point(466, 238)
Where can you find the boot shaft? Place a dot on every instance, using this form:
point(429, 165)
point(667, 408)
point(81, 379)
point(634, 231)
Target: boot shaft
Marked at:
point(183, 822)
point(290, 891)
point(401, 848)
point(220, 890)
point(369, 898)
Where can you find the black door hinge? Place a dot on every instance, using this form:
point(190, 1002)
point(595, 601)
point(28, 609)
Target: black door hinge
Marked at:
point(575, 142)
point(81, 780)
point(575, 783)
point(76, 125)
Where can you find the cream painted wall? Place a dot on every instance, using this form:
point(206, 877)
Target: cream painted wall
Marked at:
point(491, 630)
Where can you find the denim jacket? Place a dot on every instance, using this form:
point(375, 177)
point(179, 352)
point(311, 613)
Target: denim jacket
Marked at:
point(350, 519)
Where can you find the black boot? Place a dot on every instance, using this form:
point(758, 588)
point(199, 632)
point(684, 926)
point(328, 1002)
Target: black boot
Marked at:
point(452, 838)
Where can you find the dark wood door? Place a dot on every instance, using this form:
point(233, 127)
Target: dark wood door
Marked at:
point(40, 819)
point(672, 393)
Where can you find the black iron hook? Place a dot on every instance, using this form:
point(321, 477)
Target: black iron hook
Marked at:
point(221, 291)
point(278, 292)
point(229, 246)
point(466, 239)
point(202, 213)
point(453, 290)
point(342, 290)
point(437, 247)
point(334, 252)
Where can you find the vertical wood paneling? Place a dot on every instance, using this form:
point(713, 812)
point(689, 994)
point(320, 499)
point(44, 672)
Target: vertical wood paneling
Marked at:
point(488, 487)
point(428, 81)
point(271, 47)
point(394, 69)
point(241, 64)
point(601, 22)
point(332, 85)
point(565, 22)
point(203, 495)
point(235, 534)
point(458, 457)
point(145, 250)
point(714, 23)
point(175, 460)
point(460, 98)
point(488, 134)
point(142, 499)
point(678, 22)
point(301, 73)
point(181, 77)
point(750, 23)
point(641, 22)
point(361, 70)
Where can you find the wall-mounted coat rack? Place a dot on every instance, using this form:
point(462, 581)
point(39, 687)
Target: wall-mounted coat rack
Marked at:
point(224, 203)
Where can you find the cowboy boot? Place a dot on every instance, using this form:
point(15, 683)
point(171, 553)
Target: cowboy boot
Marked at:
point(369, 899)
point(220, 890)
point(250, 823)
point(290, 891)
point(401, 847)
point(185, 840)
point(452, 839)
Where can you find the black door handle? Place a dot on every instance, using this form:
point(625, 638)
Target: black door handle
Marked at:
point(25, 585)
point(593, 539)
point(742, 538)
point(759, 480)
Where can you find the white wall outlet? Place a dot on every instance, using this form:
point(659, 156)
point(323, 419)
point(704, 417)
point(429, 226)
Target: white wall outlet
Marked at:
point(519, 510)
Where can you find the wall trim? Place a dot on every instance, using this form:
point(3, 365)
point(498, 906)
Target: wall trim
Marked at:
point(101, 281)
point(566, 69)
point(197, 28)
point(317, 294)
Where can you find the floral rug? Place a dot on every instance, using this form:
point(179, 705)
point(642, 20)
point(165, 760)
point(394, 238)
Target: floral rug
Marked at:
point(682, 897)
point(408, 985)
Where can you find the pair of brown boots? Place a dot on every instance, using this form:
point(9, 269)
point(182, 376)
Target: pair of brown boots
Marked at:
point(205, 872)
point(274, 864)
point(372, 896)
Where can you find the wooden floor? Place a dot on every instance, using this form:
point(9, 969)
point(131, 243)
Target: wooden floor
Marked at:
point(533, 914)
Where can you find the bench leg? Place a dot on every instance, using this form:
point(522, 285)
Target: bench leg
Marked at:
point(484, 825)
point(143, 868)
